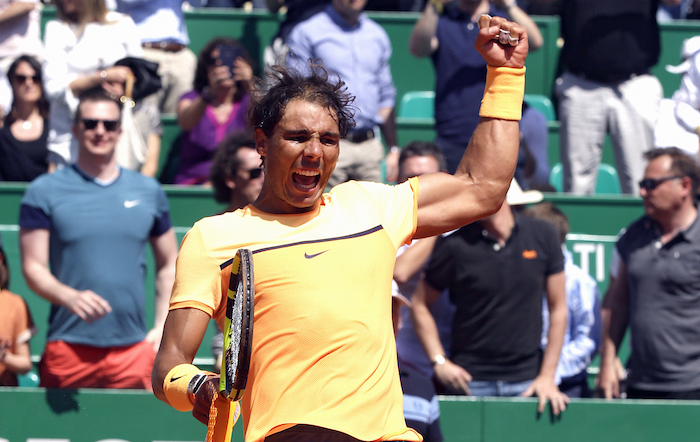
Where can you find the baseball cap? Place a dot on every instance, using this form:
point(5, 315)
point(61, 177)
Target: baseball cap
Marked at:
point(689, 48)
point(516, 196)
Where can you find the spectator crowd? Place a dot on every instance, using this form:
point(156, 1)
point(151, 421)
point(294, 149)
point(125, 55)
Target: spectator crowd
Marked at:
point(494, 308)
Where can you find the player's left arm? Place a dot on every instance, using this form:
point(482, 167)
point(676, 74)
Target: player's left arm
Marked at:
point(479, 186)
point(165, 253)
point(544, 385)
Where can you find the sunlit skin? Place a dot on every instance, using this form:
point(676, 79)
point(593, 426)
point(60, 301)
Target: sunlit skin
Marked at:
point(300, 156)
point(666, 198)
point(418, 165)
point(98, 141)
point(27, 91)
point(241, 183)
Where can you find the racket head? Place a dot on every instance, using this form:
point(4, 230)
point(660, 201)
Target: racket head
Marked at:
point(238, 333)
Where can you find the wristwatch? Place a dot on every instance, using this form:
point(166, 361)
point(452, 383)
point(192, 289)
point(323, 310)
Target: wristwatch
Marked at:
point(438, 360)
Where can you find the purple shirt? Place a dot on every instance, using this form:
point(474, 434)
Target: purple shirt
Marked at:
point(199, 144)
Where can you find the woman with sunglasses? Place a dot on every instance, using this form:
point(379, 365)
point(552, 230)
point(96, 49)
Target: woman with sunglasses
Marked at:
point(23, 152)
point(82, 46)
point(216, 107)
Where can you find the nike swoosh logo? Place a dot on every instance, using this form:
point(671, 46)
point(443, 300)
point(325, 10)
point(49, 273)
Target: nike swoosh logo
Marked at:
point(131, 203)
point(179, 377)
point(307, 256)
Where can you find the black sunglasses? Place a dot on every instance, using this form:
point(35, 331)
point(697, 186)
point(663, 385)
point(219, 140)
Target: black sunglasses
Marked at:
point(23, 78)
point(652, 183)
point(110, 125)
point(255, 173)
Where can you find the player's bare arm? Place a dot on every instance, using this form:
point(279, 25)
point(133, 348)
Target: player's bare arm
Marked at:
point(479, 186)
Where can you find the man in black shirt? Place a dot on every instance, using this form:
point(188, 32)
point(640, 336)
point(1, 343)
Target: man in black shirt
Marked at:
point(496, 271)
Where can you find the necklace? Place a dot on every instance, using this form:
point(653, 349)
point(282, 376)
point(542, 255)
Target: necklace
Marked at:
point(26, 124)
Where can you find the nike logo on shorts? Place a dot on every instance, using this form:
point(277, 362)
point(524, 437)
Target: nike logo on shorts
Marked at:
point(131, 203)
point(307, 256)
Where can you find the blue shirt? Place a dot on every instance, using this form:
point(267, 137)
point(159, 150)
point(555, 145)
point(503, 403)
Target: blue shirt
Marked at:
point(157, 20)
point(460, 75)
point(582, 336)
point(358, 53)
point(98, 237)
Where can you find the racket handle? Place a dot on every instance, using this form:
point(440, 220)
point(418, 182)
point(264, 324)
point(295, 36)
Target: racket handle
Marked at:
point(223, 415)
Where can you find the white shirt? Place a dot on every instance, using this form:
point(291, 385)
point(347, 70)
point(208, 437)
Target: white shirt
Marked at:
point(69, 56)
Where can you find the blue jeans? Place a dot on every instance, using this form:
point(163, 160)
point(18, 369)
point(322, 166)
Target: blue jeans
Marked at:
point(498, 388)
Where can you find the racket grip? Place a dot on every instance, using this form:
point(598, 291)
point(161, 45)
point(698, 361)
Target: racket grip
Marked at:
point(223, 415)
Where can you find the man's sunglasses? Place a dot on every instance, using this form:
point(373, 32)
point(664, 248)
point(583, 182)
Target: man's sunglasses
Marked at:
point(652, 183)
point(23, 78)
point(110, 125)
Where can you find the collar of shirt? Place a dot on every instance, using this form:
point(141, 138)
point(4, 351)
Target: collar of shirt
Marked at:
point(341, 21)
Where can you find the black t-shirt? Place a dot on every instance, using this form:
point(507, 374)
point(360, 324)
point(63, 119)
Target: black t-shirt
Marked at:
point(610, 40)
point(22, 160)
point(497, 292)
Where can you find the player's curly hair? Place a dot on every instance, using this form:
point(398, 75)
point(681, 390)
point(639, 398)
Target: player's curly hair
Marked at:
point(268, 105)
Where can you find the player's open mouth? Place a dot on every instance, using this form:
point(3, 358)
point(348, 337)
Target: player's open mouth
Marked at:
point(306, 179)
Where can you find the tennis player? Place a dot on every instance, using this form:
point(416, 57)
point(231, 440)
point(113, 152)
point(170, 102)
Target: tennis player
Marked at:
point(323, 365)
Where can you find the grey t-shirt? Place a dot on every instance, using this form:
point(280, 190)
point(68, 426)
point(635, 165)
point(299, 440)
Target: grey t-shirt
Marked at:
point(664, 315)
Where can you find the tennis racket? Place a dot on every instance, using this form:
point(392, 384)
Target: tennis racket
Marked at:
point(238, 333)
point(238, 341)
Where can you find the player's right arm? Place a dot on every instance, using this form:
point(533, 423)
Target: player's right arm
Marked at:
point(34, 247)
point(614, 317)
point(479, 186)
point(448, 373)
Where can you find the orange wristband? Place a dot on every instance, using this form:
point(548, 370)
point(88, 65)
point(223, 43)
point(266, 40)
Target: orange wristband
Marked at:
point(503, 94)
point(175, 386)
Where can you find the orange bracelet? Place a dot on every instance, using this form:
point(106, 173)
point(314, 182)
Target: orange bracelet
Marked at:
point(503, 94)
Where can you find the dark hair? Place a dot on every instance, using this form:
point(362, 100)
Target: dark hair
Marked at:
point(201, 76)
point(267, 107)
point(95, 94)
point(549, 212)
point(226, 163)
point(422, 149)
point(43, 102)
point(681, 164)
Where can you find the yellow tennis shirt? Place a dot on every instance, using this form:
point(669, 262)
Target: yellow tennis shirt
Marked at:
point(323, 343)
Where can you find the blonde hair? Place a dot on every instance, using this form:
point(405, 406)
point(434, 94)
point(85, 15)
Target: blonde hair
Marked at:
point(88, 11)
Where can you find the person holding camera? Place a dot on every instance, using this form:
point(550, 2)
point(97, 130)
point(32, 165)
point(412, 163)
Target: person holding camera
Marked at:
point(216, 107)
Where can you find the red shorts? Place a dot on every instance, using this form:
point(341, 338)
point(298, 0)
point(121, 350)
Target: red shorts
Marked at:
point(65, 365)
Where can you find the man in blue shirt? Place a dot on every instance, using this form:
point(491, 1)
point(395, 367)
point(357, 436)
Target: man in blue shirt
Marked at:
point(357, 49)
point(83, 235)
point(446, 32)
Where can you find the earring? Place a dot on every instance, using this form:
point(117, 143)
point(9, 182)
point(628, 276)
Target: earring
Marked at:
point(262, 161)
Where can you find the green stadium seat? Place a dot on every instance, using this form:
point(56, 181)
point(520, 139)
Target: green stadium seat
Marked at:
point(542, 104)
point(417, 104)
point(607, 181)
point(30, 379)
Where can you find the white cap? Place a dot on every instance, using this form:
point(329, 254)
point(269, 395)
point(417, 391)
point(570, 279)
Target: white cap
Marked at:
point(517, 197)
point(690, 47)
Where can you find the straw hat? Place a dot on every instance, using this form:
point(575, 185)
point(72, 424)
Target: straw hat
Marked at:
point(517, 197)
point(690, 47)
